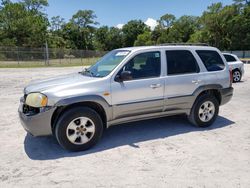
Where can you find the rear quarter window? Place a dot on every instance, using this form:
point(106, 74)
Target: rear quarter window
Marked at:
point(211, 59)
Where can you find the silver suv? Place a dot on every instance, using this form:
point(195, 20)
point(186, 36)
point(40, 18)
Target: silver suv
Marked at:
point(128, 84)
point(236, 65)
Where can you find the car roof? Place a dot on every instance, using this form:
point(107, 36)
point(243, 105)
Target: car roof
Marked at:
point(225, 53)
point(139, 48)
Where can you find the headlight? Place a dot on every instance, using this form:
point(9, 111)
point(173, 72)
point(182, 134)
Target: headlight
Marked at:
point(36, 100)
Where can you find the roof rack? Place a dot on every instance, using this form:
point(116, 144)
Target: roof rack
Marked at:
point(183, 44)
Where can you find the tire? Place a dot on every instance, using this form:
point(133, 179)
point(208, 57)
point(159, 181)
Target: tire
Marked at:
point(236, 76)
point(203, 106)
point(79, 129)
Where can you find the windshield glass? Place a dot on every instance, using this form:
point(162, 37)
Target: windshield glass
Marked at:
point(107, 64)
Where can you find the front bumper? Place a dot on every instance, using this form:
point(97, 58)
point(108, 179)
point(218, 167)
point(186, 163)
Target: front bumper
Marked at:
point(242, 71)
point(38, 124)
point(226, 95)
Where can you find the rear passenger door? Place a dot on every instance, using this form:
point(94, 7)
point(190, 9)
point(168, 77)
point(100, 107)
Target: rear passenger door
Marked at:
point(182, 79)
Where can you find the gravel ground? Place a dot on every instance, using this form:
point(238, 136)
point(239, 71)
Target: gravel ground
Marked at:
point(165, 152)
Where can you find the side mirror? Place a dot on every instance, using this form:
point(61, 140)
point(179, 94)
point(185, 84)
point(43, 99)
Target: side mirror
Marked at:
point(124, 76)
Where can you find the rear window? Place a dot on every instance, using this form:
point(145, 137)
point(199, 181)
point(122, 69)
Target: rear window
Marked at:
point(229, 58)
point(211, 59)
point(181, 62)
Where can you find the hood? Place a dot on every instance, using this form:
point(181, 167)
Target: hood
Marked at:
point(60, 82)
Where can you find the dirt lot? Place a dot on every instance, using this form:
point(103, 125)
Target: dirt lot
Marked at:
point(165, 152)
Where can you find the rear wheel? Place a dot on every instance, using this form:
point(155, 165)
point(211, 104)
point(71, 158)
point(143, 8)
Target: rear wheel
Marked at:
point(204, 111)
point(79, 129)
point(236, 76)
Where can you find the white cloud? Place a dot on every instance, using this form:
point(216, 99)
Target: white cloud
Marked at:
point(120, 26)
point(151, 23)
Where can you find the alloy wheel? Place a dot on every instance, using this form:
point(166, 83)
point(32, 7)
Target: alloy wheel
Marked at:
point(206, 111)
point(236, 76)
point(80, 130)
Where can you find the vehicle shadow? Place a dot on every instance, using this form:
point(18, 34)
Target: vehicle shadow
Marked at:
point(47, 148)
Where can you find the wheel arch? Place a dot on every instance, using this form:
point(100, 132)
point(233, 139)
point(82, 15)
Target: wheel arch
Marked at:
point(237, 69)
point(96, 103)
point(213, 89)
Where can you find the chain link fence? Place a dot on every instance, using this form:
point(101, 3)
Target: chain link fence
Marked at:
point(20, 56)
point(37, 57)
point(240, 54)
point(243, 55)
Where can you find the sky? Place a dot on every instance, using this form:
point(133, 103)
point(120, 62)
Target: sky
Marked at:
point(119, 12)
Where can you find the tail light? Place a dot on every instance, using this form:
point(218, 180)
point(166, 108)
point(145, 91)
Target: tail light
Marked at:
point(231, 76)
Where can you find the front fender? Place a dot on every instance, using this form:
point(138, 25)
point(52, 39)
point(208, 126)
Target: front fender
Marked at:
point(88, 98)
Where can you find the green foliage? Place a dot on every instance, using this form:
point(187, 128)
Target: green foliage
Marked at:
point(56, 23)
point(22, 27)
point(183, 28)
point(24, 23)
point(224, 27)
point(81, 27)
point(107, 39)
point(167, 20)
point(35, 5)
point(101, 38)
point(247, 2)
point(131, 30)
point(144, 39)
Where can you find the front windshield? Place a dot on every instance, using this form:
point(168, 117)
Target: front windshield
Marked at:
point(107, 64)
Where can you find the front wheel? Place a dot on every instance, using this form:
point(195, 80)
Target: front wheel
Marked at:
point(204, 111)
point(79, 129)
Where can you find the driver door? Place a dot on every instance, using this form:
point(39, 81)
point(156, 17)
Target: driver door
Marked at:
point(143, 92)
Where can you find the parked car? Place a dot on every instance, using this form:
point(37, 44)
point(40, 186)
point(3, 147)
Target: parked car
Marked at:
point(236, 65)
point(126, 85)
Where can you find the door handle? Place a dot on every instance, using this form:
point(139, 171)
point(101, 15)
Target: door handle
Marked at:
point(154, 86)
point(196, 81)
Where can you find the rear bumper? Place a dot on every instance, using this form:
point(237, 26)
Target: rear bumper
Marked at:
point(38, 124)
point(226, 95)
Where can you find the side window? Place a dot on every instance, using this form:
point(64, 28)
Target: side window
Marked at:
point(181, 62)
point(229, 58)
point(211, 60)
point(145, 65)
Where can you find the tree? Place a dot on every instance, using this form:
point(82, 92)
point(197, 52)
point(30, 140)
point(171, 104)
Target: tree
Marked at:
point(247, 2)
point(22, 27)
point(131, 30)
point(84, 22)
point(161, 32)
point(84, 18)
point(101, 38)
point(5, 2)
point(56, 23)
point(239, 34)
point(167, 20)
point(183, 28)
point(217, 25)
point(35, 5)
point(144, 39)
point(115, 38)
point(107, 39)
